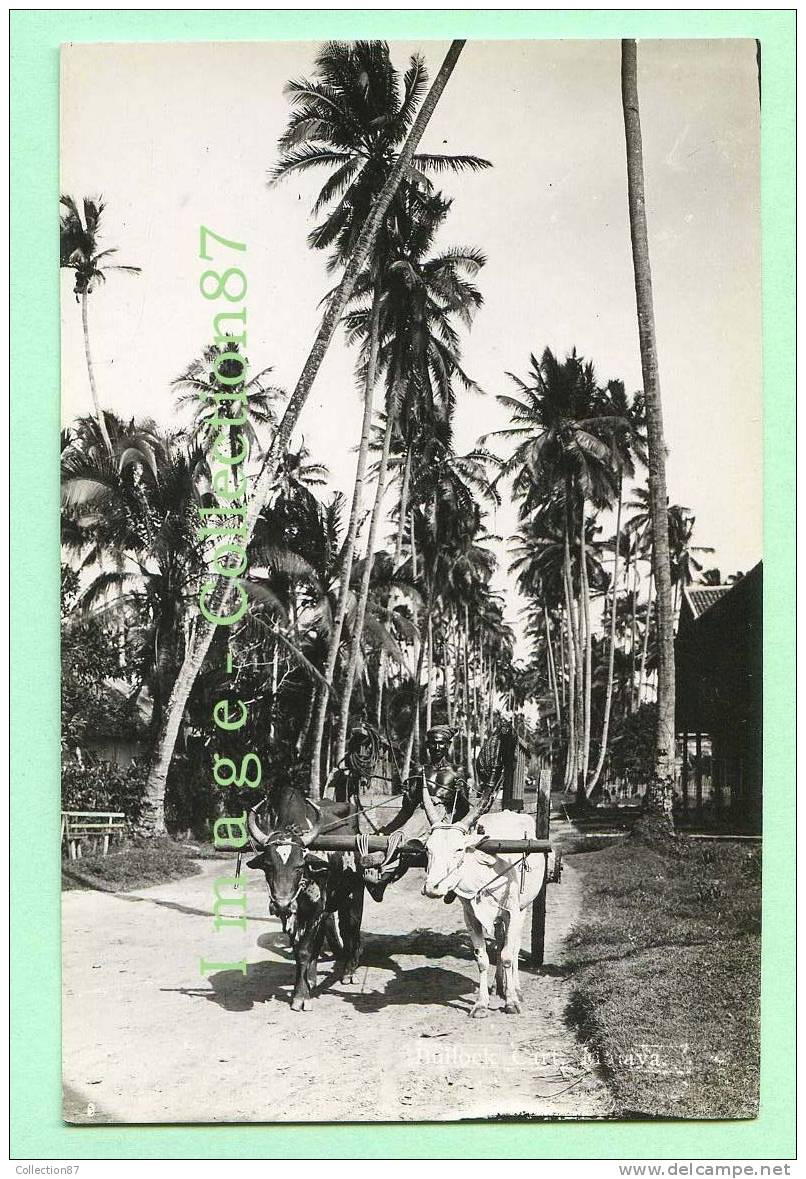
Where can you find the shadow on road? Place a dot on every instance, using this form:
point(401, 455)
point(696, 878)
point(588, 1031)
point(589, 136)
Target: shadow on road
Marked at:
point(271, 980)
point(419, 985)
point(163, 904)
point(234, 991)
point(381, 949)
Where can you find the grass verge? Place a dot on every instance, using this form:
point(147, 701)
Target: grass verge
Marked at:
point(138, 865)
point(666, 969)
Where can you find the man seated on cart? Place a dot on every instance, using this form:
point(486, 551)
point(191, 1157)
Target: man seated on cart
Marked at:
point(452, 793)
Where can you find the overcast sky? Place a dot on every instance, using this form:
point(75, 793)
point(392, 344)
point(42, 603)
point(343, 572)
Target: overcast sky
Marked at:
point(175, 136)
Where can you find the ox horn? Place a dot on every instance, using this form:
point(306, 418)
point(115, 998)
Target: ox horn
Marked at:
point(308, 837)
point(430, 809)
point(260, 838)
point(474, 814)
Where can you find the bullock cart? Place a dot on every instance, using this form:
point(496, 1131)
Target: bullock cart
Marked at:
point(515, 759)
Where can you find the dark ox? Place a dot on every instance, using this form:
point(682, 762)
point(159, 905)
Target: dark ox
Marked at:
point(309, 890)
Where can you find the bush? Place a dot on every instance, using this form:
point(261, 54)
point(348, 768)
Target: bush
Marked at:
point(192, 799)
point(92, 784)
point(633, 747)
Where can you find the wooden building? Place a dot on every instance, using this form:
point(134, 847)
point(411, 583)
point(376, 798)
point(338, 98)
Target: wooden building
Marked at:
point(718, 653)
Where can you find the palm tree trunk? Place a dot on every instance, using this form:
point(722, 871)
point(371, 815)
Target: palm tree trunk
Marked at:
point(611, 657)
point(551, 665)
point(645, 645)
point(413, 742)
point(491, 703)
point(585, 595)
point(403, 510)
point(567, 674)
point(363, 594)
point(633, 635)
point(304, 731)
point(345, 575)
point(152, 818)
point(479, 691)
point(661, 790)
point(99, 413)
point(414, 733)
point(624, 694)
point(275, 662)
point(579, 645)
point(194, 658)
point(429, 673)
point(466, 685)
point(381, 683)
point(575, 647)
point(446, 680)
point(457, 675)
point(571, 761)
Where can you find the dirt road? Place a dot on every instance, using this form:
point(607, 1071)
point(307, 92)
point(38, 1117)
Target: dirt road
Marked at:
point(148, 1038)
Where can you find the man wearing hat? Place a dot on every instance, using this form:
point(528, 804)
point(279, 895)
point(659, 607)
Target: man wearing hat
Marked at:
point(450, 790)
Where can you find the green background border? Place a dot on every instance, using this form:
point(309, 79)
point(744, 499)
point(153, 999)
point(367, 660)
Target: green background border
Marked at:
point(37, 1130)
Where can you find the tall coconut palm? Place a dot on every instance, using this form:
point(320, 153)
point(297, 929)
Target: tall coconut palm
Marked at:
point(639, 525)
point(446, 521)
point(537, 560)
point(627, 447)
point(250, 405)
point(660, 790)
point(79, 252)
point(194, 658)
point(685, 565)
point(563, 456)
point(419, 352)
point(351, 118)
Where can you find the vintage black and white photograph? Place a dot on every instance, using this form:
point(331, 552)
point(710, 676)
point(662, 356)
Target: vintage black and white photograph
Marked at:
point(411, 581)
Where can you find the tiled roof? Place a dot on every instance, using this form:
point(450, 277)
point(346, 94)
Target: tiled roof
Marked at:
point(702, 597)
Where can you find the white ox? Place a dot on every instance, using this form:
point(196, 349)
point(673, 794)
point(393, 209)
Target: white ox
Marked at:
point(495, 889)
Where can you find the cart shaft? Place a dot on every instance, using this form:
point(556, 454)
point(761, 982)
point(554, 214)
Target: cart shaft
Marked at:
point(376, 843)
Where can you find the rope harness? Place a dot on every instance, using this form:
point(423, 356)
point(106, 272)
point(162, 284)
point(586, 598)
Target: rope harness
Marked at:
point(503, 872)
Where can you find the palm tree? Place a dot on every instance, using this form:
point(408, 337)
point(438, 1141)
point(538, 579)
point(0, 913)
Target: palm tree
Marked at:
point(538, 562)
point(628, 446)
point(446, 522)
point(248, 405)
point(195, 655)
point(352, 118)
point(659, 791)
point(563, 459)
point(78, 251)
point(137, 509)
point(685, 565)
point(296, 556)
point(639, 526)
point(419, 352)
